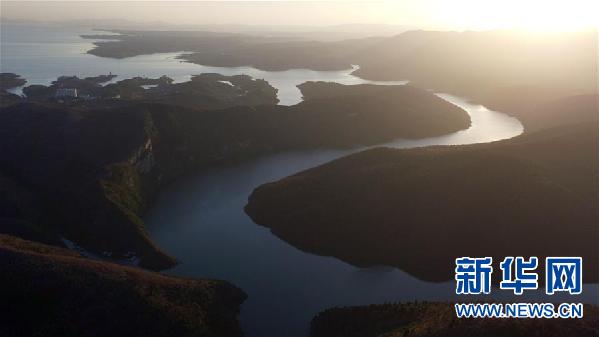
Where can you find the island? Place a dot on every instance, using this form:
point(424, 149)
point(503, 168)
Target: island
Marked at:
point(129, 43)
point(232, 49)
point(204, 91)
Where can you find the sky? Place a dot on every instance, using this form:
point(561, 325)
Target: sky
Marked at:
point(541, 15)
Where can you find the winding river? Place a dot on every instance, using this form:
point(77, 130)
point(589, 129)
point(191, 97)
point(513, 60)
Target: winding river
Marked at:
point(200, 219)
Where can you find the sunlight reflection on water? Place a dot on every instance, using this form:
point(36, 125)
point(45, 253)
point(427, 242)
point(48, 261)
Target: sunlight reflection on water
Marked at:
point(200, 219)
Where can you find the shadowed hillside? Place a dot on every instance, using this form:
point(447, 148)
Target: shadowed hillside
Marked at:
point(88, 173)
point(538, 192)
point(233, 50)
point(284, 55)
point(514, 72)
point(509, 71)
point(475, 64)
point(540, 109)
point(56, 292)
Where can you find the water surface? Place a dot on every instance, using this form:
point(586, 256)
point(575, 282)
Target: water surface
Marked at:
point(42, 54)
point(200, 219)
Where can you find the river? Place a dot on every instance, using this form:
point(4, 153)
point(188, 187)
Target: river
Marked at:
point(200, 219)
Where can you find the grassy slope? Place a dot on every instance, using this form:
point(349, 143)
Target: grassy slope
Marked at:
point(55, 292)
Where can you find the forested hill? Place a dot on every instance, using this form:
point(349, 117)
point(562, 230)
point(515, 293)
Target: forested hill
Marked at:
point(88, 171)
point(392, 207)
point(55, 292)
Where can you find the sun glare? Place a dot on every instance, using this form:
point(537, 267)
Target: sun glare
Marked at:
point(531, 15)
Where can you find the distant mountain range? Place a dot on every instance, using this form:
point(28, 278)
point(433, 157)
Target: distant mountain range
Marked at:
point(321, 33)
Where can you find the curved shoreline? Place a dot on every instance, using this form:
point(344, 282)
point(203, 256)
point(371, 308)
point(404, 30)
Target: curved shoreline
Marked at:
point(212, 237)
point(201, 220)
point(209, 232)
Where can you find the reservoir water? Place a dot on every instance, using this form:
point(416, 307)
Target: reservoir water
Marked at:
point(41, 54)
point(200, 218)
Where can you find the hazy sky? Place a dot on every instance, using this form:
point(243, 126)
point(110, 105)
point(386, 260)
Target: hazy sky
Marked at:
point(440, 14)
